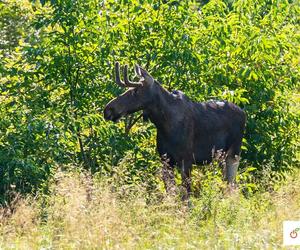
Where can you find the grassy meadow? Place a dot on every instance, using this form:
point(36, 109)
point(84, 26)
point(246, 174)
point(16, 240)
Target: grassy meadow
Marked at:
point(80, 212)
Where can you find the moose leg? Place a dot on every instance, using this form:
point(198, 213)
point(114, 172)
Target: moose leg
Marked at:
point(168, 175)
point(186, 169)
point(232, 163)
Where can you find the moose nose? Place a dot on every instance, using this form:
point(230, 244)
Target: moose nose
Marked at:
point(108, 113)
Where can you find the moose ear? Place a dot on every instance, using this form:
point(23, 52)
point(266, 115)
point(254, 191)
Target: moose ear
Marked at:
point(143, 73)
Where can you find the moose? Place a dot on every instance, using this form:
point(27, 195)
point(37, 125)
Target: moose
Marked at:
point(188, 132)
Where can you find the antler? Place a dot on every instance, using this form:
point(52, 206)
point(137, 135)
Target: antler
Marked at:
point(128, 83)
point(118, 79)
point(137, 70)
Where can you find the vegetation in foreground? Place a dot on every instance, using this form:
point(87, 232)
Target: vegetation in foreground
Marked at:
point(81, 212)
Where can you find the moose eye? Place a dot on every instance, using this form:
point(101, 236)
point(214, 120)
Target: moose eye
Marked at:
point(135, 91)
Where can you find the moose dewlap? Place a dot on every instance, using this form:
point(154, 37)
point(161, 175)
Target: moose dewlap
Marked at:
point(187, 132)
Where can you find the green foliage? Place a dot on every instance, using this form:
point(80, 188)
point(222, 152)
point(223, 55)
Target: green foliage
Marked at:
point(15, 19)
point(56, 77)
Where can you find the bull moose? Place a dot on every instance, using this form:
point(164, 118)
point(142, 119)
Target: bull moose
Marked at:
point(187, 132)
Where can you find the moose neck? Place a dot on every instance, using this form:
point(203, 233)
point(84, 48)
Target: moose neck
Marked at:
point(160, 111)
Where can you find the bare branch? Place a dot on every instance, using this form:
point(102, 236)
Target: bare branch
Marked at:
point(131, 123)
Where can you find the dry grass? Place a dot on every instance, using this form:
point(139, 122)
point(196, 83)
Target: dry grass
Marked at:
point(81, 213)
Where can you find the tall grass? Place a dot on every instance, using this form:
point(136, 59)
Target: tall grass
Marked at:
point(81, 212)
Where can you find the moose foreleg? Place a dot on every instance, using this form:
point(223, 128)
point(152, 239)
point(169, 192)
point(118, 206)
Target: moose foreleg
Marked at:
point(168, 176)
point(186, 169)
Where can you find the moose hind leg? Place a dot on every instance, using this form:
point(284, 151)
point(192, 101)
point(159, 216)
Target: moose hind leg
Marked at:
point(232, 162)
point(231, 167)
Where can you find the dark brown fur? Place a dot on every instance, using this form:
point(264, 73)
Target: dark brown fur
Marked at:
point(187, 132)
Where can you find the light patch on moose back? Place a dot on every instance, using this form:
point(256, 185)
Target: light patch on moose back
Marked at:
point(221, 104)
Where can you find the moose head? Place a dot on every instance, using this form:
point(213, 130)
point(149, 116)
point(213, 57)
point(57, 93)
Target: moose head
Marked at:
point(139, 95)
